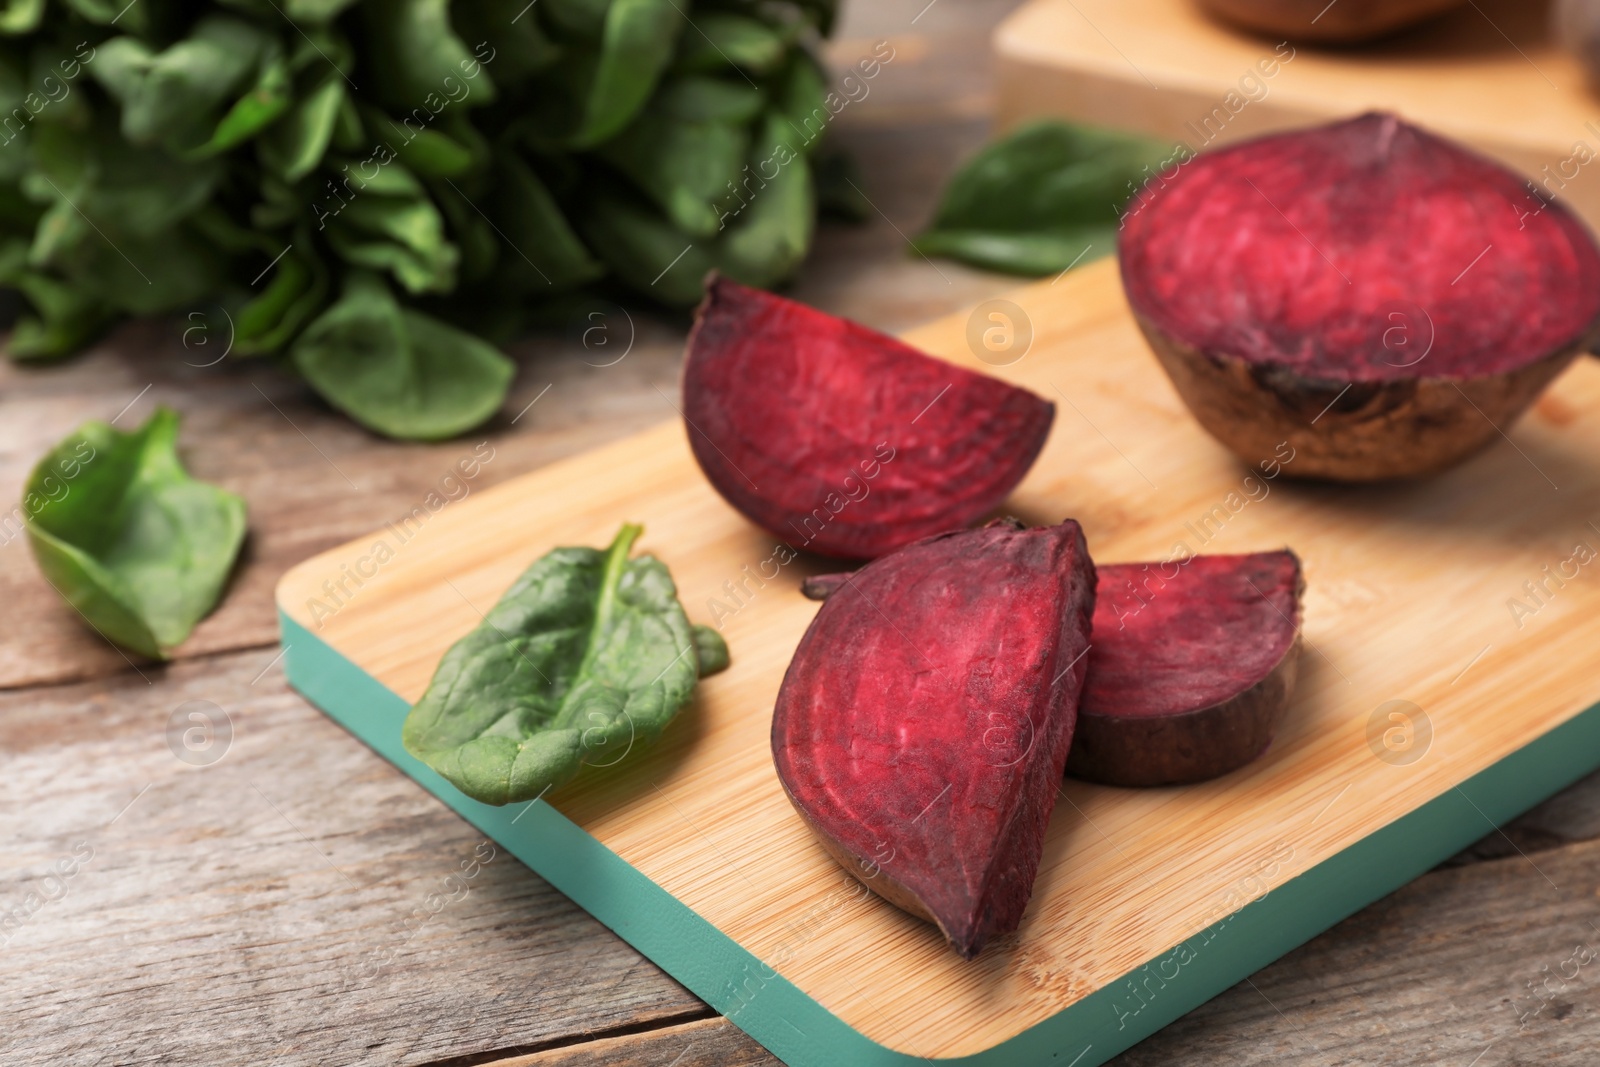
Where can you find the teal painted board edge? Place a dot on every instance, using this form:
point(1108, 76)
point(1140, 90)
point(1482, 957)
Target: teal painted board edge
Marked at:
point(803, 1033)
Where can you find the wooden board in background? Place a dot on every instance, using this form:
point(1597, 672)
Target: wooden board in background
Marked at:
point(1486, 74)
point(1407, 600)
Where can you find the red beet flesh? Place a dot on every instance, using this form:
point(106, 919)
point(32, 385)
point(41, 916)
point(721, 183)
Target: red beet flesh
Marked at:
point(924, 723)
point(1377, 296)
point(841, 440)
point(1191, 667)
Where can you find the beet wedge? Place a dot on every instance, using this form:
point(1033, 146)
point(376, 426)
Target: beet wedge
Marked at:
point(923, 725)
point(840, 440)
point(1381, 299)
point(1191, 667)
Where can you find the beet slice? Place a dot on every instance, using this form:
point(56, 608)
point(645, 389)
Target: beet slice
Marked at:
point(1317, 20)
point(924, 723)
point(839, 439)
point(1379, 298)
point(1191, 668)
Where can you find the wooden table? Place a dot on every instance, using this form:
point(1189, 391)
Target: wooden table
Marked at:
point(284, 898)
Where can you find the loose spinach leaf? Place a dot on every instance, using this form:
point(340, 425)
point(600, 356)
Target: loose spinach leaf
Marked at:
point(587, 657)
point(1042, 198)
point(398, 371)
point(122, 531)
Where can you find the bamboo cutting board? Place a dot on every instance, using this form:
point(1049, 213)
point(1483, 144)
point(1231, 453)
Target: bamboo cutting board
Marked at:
point(1428, 709)
point(1486, 74)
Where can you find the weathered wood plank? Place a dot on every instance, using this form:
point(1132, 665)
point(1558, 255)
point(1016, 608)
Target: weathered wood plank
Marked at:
point(297, 901)
point(701, 1043)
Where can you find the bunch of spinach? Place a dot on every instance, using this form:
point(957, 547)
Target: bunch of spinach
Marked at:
point(373, 185)
point(586, 657)
point(127, 537)
point(1045, 197)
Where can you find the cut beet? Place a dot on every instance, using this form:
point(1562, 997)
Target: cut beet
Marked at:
point(925, 720)
point(1191, 667)
point(1380, 299)
point(841, 440)
point(1317, 20)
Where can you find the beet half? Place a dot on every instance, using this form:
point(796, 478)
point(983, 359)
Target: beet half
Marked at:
point(1191, 667)
point(841, 440)
point(1345, 22)
point(924, 723)
point(1379, 298)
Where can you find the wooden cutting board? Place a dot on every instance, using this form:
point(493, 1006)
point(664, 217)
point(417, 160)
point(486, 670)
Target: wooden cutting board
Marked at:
point(1428, 710)
point(1486, 74)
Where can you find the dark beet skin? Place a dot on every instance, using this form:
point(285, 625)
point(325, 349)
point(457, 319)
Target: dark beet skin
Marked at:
point(1191, 667)
point(1317, 20)
point(924, 722)
point(1380, 298)
point(840, 440)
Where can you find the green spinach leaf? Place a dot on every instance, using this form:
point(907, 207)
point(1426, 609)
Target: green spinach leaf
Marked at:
point(136, 545)
point(1042, 198)
point(721, 39)
point(634, 49)
point(165, 95)
point(587, 657)
point(398, 371)
point(294, 146)
point(686, 167)
point(415, 56)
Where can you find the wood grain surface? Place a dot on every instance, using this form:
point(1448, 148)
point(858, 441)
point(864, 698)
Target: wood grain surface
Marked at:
point(1487, 73)
point(210, 929)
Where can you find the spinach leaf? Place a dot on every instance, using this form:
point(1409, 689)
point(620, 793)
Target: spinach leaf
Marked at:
point(1042, 198)
point(254, 111)
point(520, 46)
point(398, 371)
point(586, 657)
point(64, 317)
point(724, 38)
point(711, 651)
point(414, 55)
point(293, 147)
point(645, 250)
point(165, 95)
point(401, 235)
point(20, 16)
point(696, 98)
point(634, 49)
point(267, 322)
point(122, 531)
point(773, 230)
point(686, 167)
point(535, 228)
